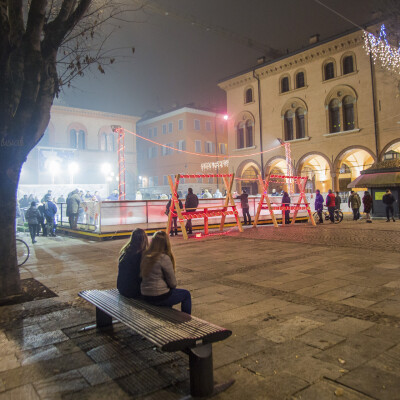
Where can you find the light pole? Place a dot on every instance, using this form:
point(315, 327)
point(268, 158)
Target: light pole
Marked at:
point(73, 168)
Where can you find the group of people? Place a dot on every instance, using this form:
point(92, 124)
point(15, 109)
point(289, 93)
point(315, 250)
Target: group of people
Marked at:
point(41, 217)
point(147, 271)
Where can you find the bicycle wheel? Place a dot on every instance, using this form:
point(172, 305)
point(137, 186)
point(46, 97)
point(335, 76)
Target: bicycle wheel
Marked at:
point(338, 217)
point(22, 252)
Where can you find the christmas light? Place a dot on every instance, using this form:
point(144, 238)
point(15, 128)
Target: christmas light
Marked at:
point(381, 51)
point(214, 165)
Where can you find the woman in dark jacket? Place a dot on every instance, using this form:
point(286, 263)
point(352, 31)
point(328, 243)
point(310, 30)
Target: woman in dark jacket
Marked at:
point(32, 215)
point(286, 202)
point(367, 201)
point(128, 281)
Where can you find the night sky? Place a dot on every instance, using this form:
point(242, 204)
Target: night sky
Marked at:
point(180, 57)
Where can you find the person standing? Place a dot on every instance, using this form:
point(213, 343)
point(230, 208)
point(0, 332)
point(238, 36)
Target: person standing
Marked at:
point(24, 202)
point(157, 270)
point(191, 203)
point(50, 211)
point(244, 202)
point(319, 205)
point(338, 201)
point(388, 199)
point(73, 202)
point(32, 215)
point(367, 201)
point(42, 220)
point(61, 199)
point(286, 203)
point(355, 203)
point(130, 256)
point(331, 204)
point(174, 218)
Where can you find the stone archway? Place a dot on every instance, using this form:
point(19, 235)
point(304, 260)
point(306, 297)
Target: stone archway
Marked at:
point(349, 163)
point(276, 165)
point(392, 145)
point(317, 167)
point(248, 172)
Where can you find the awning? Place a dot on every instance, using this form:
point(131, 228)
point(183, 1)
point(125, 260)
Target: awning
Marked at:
point(380, 179)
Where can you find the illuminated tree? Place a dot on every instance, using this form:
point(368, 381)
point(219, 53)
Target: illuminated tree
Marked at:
point(44, 45)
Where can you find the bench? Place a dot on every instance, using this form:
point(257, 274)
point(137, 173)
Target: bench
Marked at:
point(168, 329)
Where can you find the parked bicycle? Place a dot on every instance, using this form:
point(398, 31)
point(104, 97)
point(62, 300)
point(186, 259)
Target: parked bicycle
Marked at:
point(22, 252)
point(338, 216)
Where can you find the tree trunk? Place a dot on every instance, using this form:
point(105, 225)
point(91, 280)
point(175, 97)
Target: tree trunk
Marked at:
point(10, 169)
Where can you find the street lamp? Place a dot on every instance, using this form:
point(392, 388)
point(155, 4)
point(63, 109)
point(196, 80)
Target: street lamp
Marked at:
point(73, 168)
point(54, 168)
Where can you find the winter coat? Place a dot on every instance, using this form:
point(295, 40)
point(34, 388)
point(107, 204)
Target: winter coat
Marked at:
point(73, 202)
point(50, 209)
point(191, 202)
point(286, 200)
point(367, 201)
point(354, 201)
point(388, 199)
point(32, 215)
point(331, 200)
point(338, 202)
point(169, 205)
point(319, 202)
point(244, 200)
point(129, 280)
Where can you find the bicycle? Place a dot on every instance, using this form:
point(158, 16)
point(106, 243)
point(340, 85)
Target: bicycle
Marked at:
point(22, 252)
point(338, 216)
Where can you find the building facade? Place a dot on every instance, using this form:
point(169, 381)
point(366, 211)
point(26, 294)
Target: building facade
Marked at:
point(79, 148)
point(338, 111)
point(202, 138)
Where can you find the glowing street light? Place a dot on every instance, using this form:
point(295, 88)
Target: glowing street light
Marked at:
point(106, 168)
point(226, 117)
point(54, 168)
point(73, 168)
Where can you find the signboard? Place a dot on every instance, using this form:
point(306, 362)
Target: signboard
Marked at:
point(379, 195)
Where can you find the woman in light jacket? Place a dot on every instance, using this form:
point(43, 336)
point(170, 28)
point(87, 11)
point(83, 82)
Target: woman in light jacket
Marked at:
point(157, 268)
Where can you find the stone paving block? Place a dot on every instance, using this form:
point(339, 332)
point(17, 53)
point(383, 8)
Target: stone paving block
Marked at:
point(25, 392)
point(325, 390)
point(322, 287)
point(42, 339)
point(289, 329)
point(387, 333)
point(94, 374)
point(374, 382)
point(298, 284)
point(282, 385)
point(347, 326)
point(9, 361)
point(321, 339)
point(38, 354)
point(321, 315)
point(387, 306)
point(57, 385)
point(387, 361)
point(356, 302)
point(224, 354)
point(119, 367)
point(337, 294)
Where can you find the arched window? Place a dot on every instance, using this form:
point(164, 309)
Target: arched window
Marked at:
point(73, 142)
point(300, 82)
point(240, 135)
point(348, 113)
point(110, 142)
point(300, 123)
point(348, 65)
point(249, 95)
point(334, 116)
point(103, 142)
point(288, 125)
point(249, 133)
point(329, 71)
point(81, 140)
point(285, 84)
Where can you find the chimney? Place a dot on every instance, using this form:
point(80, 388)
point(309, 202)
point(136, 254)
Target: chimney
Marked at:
point(260, 60)
point(314, 39)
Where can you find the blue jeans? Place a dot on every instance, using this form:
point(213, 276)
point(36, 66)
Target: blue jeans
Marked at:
point(177, 296)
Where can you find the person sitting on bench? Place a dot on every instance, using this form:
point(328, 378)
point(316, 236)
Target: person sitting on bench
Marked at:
point(158, 276)
point(130, 256)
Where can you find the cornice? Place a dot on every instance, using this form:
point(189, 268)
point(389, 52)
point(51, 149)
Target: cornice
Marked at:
point(295, 61)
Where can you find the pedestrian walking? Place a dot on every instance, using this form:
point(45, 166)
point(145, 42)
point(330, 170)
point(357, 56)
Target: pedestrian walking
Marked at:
point(191, 203)
point(355, 203)
point(286, 203)
point(319, 205)
point(130, 257)
point(367, 201)
point(388, 199)
point(32, 215)
point(157, 269)
point(244, 202)
point(331, 204)
point(174, 218)
point(338, 201)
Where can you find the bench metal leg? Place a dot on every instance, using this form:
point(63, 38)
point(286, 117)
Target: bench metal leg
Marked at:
point(201, 371)
point(103, 320)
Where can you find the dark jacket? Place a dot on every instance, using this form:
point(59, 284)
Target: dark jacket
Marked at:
point(169, 205)
point(367, 201)
point(191, 202)
point(319, 202)
point(129, 280)
point(32, 215)
point(244, 200)
point(338, 202)
point(73, 202)
point(388, 199)
point(50, 210)
point(286, 199)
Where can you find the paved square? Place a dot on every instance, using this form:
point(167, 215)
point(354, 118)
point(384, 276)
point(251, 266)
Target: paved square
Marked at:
point(315, 314)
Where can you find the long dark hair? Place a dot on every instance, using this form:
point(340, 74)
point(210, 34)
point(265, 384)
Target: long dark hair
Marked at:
point(138, 243)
